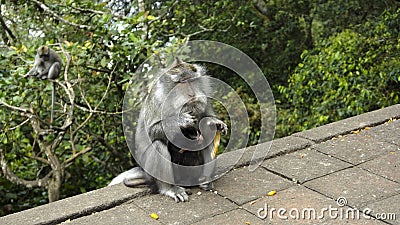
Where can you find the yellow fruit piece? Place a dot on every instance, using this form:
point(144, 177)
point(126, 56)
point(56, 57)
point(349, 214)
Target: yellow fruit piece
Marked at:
point(217, 139)
point(154, 216)
point(271, 193)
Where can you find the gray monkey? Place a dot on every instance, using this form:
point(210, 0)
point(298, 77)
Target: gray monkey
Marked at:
point(47, 65)
point(174, 139)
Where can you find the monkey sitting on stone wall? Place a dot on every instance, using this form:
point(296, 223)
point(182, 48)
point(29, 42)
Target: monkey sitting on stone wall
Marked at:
point(176, 135)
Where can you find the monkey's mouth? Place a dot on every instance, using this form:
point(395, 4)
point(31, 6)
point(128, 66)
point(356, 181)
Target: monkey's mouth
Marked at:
point(191, 133)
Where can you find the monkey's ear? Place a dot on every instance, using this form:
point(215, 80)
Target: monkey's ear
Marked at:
point(177, 61)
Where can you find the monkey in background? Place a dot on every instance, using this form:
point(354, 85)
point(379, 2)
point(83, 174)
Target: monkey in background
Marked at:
point(47, 65)
point(176, 111)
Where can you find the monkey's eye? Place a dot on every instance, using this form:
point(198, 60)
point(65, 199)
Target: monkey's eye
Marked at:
point(193, 68)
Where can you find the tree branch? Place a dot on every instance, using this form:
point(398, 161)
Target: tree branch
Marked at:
point(9, 175)
point(76, 155)
point(100, 12)
point(5, 27)
point(15, 108)
point(262, 8)
point(55, 15)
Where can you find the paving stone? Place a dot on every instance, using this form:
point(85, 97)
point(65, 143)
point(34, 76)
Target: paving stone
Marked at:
point(355, 148)
point(389, 131)
point(356, 185)
point(387, 209)
point(307, 203)
point(200, 206)
point(305, 165)
point(387, 166)
point(123, 214)
point(260, 152)
point(241, 185)
point(347, 215)
point(328, 131)
point(238, 216)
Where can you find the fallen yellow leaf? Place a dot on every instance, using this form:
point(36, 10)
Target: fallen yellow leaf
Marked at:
point(271, 193)
point(154, 216)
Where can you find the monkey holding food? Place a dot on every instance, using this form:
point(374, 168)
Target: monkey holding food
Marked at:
point(47, 65)
point(176, 133)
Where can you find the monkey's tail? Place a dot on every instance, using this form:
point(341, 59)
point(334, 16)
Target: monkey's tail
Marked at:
point(130, 178)
point(53, 97)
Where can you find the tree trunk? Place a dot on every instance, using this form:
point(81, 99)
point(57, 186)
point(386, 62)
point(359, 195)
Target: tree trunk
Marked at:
point(55, 186)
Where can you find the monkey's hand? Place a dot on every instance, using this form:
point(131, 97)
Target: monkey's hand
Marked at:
point(31, 73)
point(177, 193)
point(186, 120)
point(221, 126)
point(42, 76)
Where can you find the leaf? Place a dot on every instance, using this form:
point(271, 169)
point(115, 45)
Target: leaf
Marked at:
point(150, 17)
point(103, 62)
point(271, 193)
point(154, 216)
point(69, 44)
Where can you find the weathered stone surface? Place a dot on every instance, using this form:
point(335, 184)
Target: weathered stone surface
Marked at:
point(241, 185)
point(76, 206)
point(259, 152)
point(296, 199)
point(390, 132)
point(355, 148)
point(356, 185)
point(237, 216)
point(387, 165)
point(328, 131)
point(371, 181)
point(126, 213)
point(387, 209)
point(304, 165)
point(202, 204)
point(347, 215)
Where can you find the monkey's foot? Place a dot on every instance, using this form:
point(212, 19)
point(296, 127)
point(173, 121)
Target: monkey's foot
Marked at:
point(207, 186)
point(177, 193)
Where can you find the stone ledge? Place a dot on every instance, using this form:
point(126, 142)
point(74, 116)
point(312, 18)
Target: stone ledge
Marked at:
point(104, 201)
point(75, 207)
point(323, 133)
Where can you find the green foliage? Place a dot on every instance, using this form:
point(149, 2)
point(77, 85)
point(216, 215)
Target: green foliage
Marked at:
point(345, 75)
point(325, 60)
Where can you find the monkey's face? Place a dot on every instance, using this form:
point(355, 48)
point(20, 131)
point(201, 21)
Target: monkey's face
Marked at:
point(185, 72)
point(43, 53)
